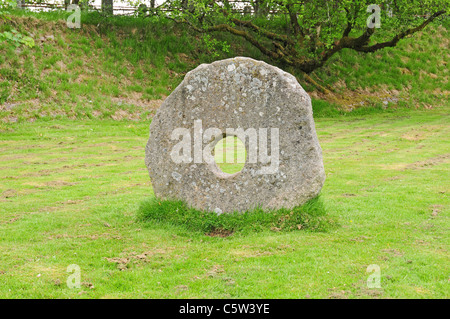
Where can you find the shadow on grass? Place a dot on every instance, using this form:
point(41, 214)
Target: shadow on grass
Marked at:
point(311, 216)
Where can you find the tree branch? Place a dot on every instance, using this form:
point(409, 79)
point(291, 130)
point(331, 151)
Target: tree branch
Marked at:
point(398, 37)
point(360, 44)
point(284, 49)
point(267, 34)
point(349, 27)
point(293, 19)
point(227, 28)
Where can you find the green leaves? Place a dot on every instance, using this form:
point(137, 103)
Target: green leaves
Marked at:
point(214, 45)
point(16, 38)
point(28, 41)
point(12, 36)
point(6, 5)
point(306, 34)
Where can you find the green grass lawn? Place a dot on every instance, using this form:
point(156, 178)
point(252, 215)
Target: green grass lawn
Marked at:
point(70, 192)
point(230, 154)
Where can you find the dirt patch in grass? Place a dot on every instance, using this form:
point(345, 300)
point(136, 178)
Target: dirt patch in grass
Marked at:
point(92, 237)
point(220, 232)
point(414, 136)
point(59, 184)
point(122, 262)
point(215, 271)
point(12, 220)
point(393, 178)
point(393, 252)
point(360, 239)
point(71, 202)
point(135, 258)
point(335, 293)
point(9, 193)
point(364, 291)
point(436, 209)
point(429, 162)
point(348, 195)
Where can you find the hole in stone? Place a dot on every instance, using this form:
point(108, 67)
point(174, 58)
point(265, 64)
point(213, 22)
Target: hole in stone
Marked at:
point(230, 155)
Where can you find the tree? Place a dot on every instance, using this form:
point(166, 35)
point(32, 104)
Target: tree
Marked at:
point(68, 2)
point(107, 6)
point(306, 34)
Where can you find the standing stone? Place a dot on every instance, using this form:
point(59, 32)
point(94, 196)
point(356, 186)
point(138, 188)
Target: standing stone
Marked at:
point(239, 93)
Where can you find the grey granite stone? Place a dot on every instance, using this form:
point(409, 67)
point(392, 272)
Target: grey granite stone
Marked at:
point(238, 93)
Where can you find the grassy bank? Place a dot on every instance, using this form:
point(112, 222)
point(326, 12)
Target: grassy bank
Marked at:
point(122, 68)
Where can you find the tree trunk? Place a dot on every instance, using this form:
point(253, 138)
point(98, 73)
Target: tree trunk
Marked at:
point(20, 4)
point(261, 8)
point(107, 6)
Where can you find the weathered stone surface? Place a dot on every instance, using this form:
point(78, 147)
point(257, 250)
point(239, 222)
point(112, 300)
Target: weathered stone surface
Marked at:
point(237, 93)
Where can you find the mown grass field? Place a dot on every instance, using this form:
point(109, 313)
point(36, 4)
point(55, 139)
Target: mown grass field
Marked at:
point(74, 118)
point(70, 192)
point(230, 155)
